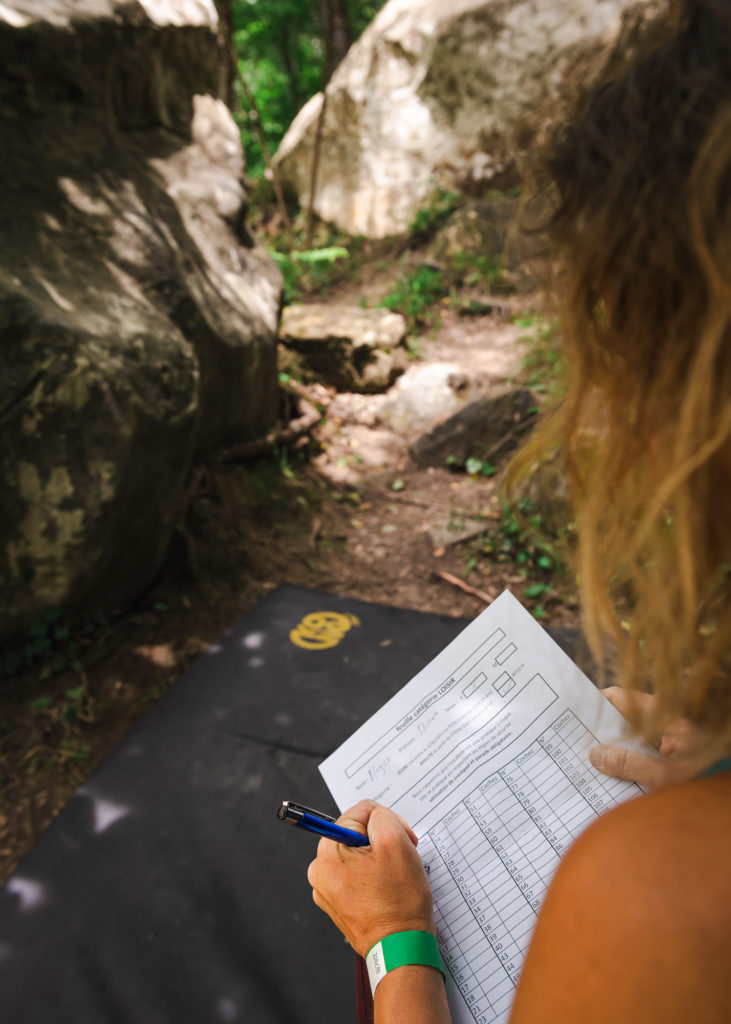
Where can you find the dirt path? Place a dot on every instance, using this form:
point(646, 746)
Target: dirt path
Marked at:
point(353, 515)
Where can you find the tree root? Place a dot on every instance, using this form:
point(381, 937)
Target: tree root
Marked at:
point(293, 433)
point(455, 581)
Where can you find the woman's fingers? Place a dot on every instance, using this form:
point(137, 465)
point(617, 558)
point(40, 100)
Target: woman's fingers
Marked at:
point(629, 702)
point(358, 817)
point(684, 749)
point(650, 771)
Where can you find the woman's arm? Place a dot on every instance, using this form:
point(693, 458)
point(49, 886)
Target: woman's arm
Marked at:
point(373, 891)
point(412, 995)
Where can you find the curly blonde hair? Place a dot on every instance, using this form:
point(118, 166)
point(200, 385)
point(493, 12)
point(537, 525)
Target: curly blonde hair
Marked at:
point(640, 181)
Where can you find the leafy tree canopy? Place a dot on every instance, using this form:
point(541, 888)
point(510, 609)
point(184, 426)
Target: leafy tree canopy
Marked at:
point(283, 48)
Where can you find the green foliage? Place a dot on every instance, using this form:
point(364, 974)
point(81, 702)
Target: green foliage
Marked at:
point(519, 537)
point(472, 466)
point(61, 718)
point(273, 483)
point(310, 270)
point(475, 269)
point(427, 221)
point(415, 295)
point(52, 643)
point(280, 48)
point(541, 367)
point(516, 539)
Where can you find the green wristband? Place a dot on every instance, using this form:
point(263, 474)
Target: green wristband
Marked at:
point(400, 949)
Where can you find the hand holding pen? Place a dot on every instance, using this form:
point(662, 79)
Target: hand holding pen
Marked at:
point(319, 823)
point(378, 890)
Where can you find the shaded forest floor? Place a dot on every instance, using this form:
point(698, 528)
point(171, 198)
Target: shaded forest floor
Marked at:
point(247, 529)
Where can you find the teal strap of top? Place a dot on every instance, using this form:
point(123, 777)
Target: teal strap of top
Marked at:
point(723, 765)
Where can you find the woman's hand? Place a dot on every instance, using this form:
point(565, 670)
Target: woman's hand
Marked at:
point(683, 749)
point(372, 891)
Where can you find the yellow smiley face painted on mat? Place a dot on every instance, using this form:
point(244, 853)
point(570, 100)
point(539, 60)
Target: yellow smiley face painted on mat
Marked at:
point(320, 630)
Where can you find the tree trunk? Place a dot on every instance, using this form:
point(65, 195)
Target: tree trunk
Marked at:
point(226, 36)
point(271, 172)
point(291, 70)
point(314, 170)
point(337, 38)
point(336, 33)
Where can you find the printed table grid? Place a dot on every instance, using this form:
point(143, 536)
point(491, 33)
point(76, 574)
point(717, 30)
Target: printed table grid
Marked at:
point(529, 811)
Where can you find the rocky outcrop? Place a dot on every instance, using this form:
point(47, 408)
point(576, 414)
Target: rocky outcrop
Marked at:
point(346, 347)
point(137, 319)
point(485, 428)
point(437, 93)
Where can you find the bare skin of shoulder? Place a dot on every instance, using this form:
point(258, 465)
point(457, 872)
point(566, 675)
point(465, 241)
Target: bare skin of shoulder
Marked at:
point(637, 922)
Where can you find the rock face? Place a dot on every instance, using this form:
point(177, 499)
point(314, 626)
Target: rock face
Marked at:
point(427, 395)
point(137, 321)
point(347, 347)
point(437, 93)
point(486, 426)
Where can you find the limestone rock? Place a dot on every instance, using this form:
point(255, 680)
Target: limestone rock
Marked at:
point(439, 94)
point(137, 322)
point(350, 348)
point(492, 421)
point(425, 395)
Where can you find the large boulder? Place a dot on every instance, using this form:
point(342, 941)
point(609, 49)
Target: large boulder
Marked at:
point(137, 320)
point(346, 347)
point(484, 428)
point(437, 93)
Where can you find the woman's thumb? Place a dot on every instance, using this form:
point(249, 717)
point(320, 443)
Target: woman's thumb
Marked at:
point(384, 826)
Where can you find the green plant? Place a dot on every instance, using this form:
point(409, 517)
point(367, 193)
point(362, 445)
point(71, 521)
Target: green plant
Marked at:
point(60, 721)
point(479, 467)
point(272, 481)
point(427, 220)
point(473, 269)
point(469, 566)
point(61, 712)
point(541, 367)
point(521, 536)
point(471, 465)
point(308, 270)
point(518, 536)
point(53, 643)
point(415, 295)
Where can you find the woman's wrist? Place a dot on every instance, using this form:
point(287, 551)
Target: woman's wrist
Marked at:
point(403, 949)
point(376, 933)
point(412, 993)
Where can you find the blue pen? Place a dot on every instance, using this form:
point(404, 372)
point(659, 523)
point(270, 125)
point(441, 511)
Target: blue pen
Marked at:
point(321, 824)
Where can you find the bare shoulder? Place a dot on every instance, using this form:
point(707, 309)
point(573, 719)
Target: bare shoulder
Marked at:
point(667, 857)
point(673, 843)
point(638, 917)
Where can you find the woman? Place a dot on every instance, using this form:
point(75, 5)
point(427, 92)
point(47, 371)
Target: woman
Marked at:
point(637, 922)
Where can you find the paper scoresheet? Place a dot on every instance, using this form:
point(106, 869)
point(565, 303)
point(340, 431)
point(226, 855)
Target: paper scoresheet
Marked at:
point(484, 753)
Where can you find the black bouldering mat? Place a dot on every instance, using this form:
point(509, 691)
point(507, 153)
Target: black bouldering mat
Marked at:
point(166, 890)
